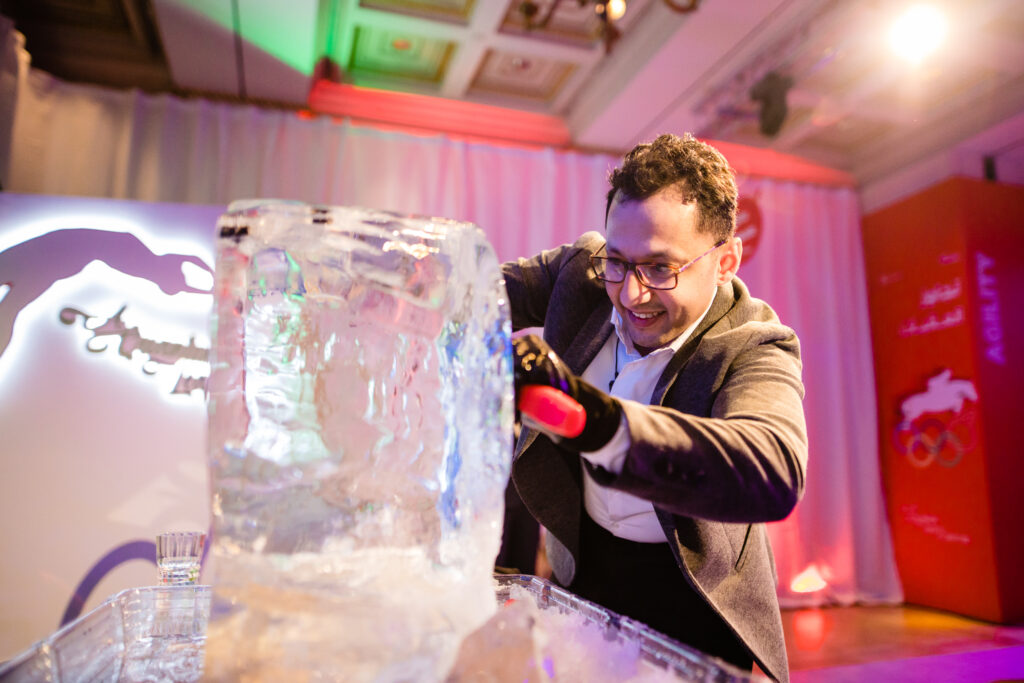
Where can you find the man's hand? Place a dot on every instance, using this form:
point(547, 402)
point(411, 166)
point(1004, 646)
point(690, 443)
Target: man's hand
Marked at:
point(535, 366)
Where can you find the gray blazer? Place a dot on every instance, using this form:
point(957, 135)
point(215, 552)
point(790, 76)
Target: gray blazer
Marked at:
point(721, 448)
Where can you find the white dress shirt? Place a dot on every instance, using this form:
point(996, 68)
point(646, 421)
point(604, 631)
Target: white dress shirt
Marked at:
point(621, 513)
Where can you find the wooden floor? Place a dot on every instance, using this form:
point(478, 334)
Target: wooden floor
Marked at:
point(899, 643)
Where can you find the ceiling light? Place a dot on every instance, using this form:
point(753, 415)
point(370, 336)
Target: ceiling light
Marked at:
point(615, 9)
point(608, 11)
point(917, 32)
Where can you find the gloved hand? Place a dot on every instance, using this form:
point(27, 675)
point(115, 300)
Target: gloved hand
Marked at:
point(591, 418)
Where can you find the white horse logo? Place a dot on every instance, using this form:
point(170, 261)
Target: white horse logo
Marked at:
point(943, 393)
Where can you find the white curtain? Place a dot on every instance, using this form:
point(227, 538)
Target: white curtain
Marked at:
point(82, 140)
point(808, 264)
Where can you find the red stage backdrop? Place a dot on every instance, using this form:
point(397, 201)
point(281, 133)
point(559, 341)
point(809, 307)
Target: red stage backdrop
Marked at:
point(944, 268)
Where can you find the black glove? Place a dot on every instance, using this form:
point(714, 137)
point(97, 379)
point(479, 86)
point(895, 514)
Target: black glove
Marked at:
point(535, 364)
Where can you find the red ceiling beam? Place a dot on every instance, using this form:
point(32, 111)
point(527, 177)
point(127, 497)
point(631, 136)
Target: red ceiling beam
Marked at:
point(767, 163)
point(423, 112)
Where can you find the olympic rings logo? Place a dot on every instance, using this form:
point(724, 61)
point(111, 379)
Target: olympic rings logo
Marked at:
point(930, 440)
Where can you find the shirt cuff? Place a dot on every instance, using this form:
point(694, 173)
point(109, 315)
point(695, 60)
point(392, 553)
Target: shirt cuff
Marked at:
point(612, 456)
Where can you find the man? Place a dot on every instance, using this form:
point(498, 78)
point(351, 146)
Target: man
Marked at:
point(695, 433)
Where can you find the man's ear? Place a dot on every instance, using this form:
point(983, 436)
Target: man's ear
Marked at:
point(729, 260)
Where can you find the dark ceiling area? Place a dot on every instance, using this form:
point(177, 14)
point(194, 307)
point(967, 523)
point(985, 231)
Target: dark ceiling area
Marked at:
point(113, 43)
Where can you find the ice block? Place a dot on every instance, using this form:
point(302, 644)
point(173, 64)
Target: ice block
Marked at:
point(360, 405)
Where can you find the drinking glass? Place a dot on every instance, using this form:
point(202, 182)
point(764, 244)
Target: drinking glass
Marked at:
point(178, 554)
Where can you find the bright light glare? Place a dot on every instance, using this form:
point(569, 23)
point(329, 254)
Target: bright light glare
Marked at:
point(808, 581)
point(918, 32)
point(615, 9)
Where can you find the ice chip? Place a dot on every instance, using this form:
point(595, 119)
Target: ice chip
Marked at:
point(360, 405)
point(510, 646)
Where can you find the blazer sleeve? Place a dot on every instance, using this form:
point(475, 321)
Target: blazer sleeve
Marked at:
point(745, 461)
point(531, 282)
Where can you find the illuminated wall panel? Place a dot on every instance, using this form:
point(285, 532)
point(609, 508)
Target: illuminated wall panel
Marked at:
point(103, 337)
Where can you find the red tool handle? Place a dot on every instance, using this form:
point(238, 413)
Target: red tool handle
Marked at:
point(552, 410)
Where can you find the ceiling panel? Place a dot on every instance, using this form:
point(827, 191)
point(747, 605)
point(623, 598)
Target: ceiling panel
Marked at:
point(200, 45)
point(846, 136)
point(381, 52)
point(518, 75)
point(839, 73)
point(457, 11)
point(1008, 25)
point(744, 127)
point(568, 22)
point(930, 90)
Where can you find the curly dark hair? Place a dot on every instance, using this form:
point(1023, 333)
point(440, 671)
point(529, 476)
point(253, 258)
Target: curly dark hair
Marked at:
point(699, 170)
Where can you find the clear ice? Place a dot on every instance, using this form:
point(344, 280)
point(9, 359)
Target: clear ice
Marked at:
point(360, 404)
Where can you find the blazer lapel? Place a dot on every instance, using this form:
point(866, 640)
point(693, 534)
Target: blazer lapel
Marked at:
point(719, 308)
point(590, 338)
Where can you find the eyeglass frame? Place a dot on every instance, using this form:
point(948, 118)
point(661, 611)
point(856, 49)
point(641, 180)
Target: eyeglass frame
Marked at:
point(642, 279)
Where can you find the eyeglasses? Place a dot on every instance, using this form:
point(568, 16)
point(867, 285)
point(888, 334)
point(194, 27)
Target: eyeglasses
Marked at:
point(650, 275)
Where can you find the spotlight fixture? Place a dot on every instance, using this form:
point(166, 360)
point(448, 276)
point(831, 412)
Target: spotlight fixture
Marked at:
point(615, 9)
point(771, 92)
point(608, 11)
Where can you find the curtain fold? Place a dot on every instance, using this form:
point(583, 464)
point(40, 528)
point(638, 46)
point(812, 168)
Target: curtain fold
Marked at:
point(805, 257)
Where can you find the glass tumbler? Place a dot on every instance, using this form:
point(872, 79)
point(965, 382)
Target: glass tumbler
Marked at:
point(178, 554)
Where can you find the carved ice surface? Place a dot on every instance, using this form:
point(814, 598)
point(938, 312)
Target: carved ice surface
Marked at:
point(360, 405)
point(525, 642)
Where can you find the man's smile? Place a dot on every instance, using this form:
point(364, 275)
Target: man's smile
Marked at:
point(643, 318)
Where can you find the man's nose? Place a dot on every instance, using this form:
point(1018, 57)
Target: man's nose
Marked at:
point(633, 291)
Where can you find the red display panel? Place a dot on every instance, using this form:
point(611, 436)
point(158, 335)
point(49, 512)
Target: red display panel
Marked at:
point(941, 269)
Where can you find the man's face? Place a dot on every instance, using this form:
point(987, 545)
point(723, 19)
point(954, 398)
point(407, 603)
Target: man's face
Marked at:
point(663, 229)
